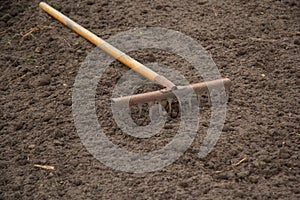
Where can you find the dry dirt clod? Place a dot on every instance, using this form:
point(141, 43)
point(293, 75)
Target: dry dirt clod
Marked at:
point(42, 80)
point(297, 41)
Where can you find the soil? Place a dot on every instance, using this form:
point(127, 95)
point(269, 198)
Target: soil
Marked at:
point(254, 43)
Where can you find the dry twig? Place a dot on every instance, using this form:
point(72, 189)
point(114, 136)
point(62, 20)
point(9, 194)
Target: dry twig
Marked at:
point(44, 167)
point(234, 165)
point(261, 39)
point(34, 29)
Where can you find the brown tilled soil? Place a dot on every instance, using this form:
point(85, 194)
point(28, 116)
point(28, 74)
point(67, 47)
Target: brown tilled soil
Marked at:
point(254, 43)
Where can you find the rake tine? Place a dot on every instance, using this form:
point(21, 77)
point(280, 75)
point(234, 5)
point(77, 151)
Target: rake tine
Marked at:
point(150, 104)
point(160, 109)
point(140, 107)
point(169, 105)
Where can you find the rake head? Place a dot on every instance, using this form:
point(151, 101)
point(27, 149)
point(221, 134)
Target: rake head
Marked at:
point(165, 94)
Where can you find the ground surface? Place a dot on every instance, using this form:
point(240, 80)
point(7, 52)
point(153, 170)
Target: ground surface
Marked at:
point(254, 43)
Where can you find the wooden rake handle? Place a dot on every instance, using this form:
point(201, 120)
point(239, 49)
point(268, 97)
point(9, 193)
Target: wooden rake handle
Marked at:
point(111, 50)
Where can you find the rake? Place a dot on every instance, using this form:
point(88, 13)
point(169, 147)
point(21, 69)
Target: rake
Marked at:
point(168, 87)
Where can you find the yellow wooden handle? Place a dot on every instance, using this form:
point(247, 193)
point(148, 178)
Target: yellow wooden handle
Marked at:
point(111, 50)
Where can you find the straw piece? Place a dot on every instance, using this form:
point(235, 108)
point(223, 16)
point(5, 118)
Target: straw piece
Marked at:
point(44, 166)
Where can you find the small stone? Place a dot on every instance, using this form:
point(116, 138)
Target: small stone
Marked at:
point(37, 50)
point(32, 146)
